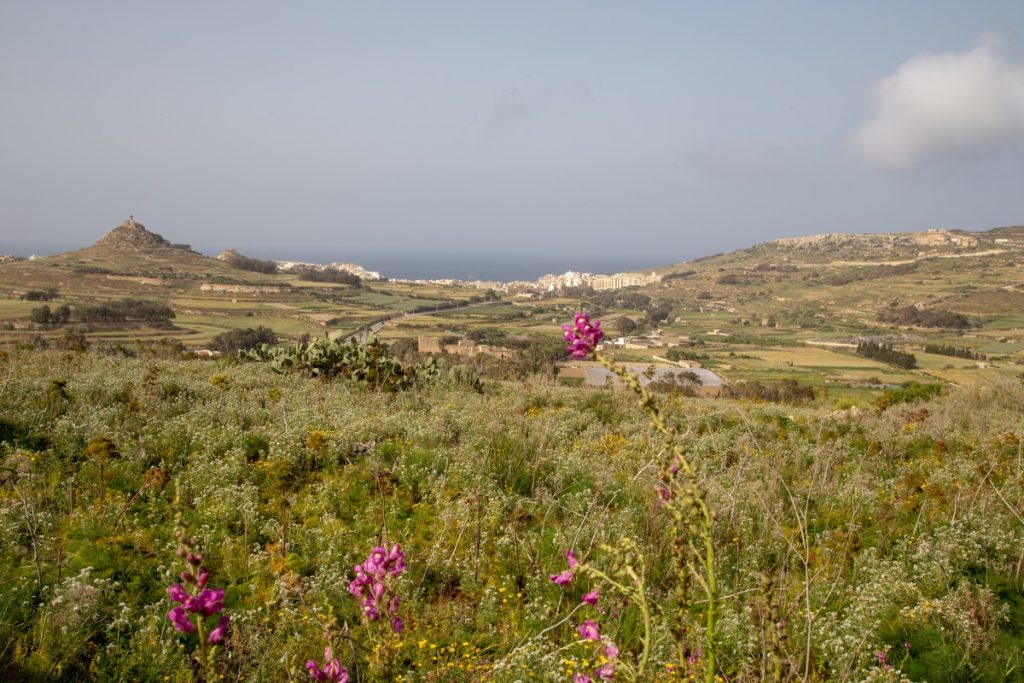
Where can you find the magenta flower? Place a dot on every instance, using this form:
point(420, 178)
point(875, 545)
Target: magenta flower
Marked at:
point(178, 593)
point(583, 336)
point(180, 620)
point(605, 672)
point(209, 602)
point(589, 630)
point(611, 651)
point(581, 678)
point(332, 671)
point(592, 597)
point(218, 633)
point(563, 579)
point(398, 624)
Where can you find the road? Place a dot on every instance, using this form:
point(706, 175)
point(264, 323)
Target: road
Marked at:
point(363, 333)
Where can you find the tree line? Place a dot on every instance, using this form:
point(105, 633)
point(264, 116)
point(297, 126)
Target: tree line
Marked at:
point(125, 310)
point(924, 317)
point(955, 351)
point(886, 354)
point(252, 264)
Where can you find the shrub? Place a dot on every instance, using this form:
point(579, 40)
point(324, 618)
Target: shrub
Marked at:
point(233, 341)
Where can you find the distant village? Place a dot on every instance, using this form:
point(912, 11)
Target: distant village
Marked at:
point(550, 283)
point(545, 283)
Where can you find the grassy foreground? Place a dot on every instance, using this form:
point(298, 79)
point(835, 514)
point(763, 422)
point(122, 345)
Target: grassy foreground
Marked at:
point(851, 546)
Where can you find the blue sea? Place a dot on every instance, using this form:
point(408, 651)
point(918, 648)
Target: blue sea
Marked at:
point(500, 266)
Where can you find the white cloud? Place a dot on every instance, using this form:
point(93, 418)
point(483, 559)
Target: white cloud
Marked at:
point(945, 106)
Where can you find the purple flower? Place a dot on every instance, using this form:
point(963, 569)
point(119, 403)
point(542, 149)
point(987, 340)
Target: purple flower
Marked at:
point(611, 651)
point(178, 593)
point(605, 672)
point(396, 559)
point(589, 630)
point(208, 602)
point(592, 597)
point(397, 625)
point(202, 577)
point(581, 678)
point(218, 633)
point(332, 671)
point(571, 559)
point(377, 560)
point(583, 336)
point(563, 579)
point(180, 621)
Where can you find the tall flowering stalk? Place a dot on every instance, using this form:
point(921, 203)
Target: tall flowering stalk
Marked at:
point(197, 604)
point(680, 492)
point(376, 586)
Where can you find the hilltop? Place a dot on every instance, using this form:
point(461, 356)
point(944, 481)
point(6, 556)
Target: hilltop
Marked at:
point(133, 236)
point(131, 249)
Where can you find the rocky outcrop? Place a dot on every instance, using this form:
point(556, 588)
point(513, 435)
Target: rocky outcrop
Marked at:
point(133, 236)
point(238, 289)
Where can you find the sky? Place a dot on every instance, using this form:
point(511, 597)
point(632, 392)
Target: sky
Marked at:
point(586, 135)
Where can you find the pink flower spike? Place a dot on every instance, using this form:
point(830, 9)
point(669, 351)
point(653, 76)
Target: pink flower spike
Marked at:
point(592, 597)
point(611, 651)
point(583, 337)
point(563, 579)
point(605, 672)
point(589, 630)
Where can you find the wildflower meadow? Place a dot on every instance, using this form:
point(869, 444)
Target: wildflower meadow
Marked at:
point(185, 520)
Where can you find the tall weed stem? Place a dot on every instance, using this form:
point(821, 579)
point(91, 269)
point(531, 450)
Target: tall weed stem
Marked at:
point(691, 516)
